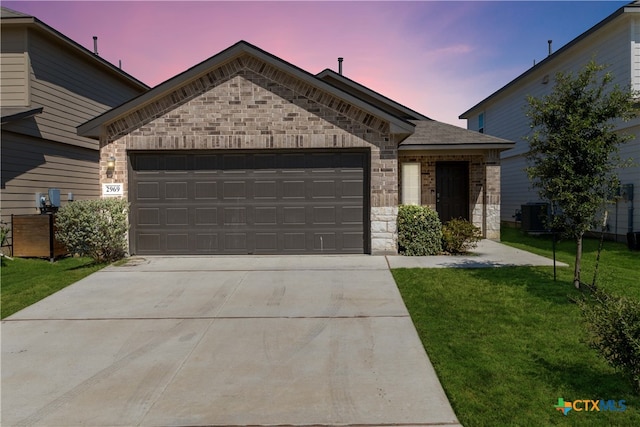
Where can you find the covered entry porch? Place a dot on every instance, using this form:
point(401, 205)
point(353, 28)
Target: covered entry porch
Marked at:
point(454, 171)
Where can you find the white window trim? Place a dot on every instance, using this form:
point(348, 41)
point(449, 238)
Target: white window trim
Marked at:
point(411, 183)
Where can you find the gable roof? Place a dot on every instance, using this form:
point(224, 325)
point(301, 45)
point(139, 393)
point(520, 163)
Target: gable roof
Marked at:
point(12, 17)
point(633, 7)
point(92, 127)
point(10, 13)
point(433, 135)
point(372, 97)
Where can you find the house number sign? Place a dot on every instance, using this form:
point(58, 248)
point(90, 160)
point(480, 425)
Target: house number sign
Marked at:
point(113, 189)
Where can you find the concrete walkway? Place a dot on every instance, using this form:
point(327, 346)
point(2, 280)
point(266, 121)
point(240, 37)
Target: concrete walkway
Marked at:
point(194, 341)
point(487, 254)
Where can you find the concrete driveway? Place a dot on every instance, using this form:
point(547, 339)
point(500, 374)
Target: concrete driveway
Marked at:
point(195, 341)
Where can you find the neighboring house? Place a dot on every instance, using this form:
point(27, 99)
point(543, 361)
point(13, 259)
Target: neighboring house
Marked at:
point(246, 153)
point(49, 85)
point(614, 41)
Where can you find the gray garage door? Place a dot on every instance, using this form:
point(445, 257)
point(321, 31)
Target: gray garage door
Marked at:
point(248, 203)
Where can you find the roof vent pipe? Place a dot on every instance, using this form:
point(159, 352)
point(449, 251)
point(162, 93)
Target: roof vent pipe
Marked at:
point(95, 45)
point(550, 41)
point(340, 65)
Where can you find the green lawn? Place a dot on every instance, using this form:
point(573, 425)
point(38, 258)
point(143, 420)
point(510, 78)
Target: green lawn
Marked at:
point(508, 342)
point(26, 281)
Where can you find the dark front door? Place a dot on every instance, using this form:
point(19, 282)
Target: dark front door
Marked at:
point(248, 202)
point(452, 190)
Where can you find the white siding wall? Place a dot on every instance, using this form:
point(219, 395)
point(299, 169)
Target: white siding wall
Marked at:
point(618, 45)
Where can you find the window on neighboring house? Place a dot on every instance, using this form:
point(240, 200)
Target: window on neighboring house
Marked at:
point(411, 184)
point(481, 123)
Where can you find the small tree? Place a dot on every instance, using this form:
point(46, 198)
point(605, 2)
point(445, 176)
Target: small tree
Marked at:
point(574, 148)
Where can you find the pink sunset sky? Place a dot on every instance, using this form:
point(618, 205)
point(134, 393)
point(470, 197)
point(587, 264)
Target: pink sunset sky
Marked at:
point(437, 57)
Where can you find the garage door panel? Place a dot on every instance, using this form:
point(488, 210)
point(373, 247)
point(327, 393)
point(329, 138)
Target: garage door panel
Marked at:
point(175, 163)
point(323, 189)
point(206, 163)
point(206, 216)
point(324, 214)
point(148, 216)
point(235, 216)
point(265, 163)
point(294, 241)
point(234, 163)
point(305, 202)
point(148, 242)
point(234, 190)
point(207, 243)
point(352, 188)
point(294, 215)
point(266, 242)
point(178, 242)
point(267, 190)
point(176, 191)
point(351, 214)
point(177, 216)
point(266, 215)
point(206, 190)
point(294, 189)
point(235, 242)
point(148, 190)
point(324, 242)
point(352, 240)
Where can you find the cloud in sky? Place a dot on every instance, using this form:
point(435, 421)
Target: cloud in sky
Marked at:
point(439, 58)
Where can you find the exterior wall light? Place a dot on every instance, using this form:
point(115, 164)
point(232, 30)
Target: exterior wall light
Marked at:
point(111, 164)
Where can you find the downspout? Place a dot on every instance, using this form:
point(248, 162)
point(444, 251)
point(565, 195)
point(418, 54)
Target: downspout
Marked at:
point(630, 210)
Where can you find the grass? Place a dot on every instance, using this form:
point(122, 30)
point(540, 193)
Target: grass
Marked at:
point(618, 272)
point(508, 342)
point(26, 281)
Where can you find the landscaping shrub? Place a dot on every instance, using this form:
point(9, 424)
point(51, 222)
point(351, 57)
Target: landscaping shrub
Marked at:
point(613, 328)
point(4, 232)
point(419, 231)
point(94, 228)
point(459, 235)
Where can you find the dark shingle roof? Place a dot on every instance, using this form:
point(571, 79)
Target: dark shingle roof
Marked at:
point(433, 135)
point(10, 13)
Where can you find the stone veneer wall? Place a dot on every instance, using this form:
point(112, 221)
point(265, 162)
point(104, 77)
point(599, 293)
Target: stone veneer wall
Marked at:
point(249, 104)
point(484, 185)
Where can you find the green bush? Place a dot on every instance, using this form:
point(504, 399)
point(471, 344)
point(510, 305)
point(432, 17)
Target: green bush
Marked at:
point(94, 228)
point(459, 235)
point(613, 328)
point(419, 231)
point(4, 232)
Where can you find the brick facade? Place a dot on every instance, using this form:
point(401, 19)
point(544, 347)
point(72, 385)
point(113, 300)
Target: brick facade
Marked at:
point(249, 104)
point(484, 185)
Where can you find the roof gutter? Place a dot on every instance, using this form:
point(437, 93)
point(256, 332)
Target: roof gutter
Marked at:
point(21, 115)
point(465, 146)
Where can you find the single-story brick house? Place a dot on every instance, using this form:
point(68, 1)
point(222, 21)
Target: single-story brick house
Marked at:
point(245, 153)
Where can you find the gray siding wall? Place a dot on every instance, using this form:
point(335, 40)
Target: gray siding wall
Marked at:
point(32, 165)
point(71, 89)
point(14, 87)
point(45, 151)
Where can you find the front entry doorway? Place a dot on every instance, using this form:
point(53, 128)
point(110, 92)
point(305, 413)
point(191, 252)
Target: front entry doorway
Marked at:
point(452, 190)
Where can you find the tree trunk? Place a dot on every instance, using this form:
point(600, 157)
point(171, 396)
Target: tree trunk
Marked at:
point(576, 271)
